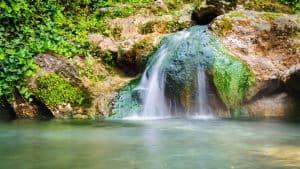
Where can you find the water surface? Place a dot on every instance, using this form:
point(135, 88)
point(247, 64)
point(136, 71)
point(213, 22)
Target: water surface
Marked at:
point(157, 144)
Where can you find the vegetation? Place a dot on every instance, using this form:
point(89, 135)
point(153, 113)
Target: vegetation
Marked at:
point(54, 90)
point(232, 80)
point(224, 25)
point(55, 26)
point(294, 4)
point(285, 6)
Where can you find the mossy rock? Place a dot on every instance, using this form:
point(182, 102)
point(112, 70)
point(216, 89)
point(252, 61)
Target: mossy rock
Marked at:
point(206, 10)
point(232, 79)
point(53, 90)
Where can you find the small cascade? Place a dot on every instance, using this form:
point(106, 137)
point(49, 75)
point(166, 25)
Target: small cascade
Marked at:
point(155, 102)
point(174, 82)
point(204, 111)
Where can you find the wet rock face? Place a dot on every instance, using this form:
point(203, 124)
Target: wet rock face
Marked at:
point(268, 44)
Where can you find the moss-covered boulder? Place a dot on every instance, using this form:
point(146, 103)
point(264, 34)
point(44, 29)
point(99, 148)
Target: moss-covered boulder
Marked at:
point(69, 88)
point(232, 79)
point(206, 10)
point(264, 55)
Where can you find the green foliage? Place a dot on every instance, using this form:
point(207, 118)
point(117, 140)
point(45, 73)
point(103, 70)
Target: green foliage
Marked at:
point(54, 90)
point(28, 28)
point(294, 4)
point(13, 70)
point(61, 27)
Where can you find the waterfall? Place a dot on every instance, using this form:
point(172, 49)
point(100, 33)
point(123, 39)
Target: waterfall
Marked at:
point(204, 111)
point(155, 102)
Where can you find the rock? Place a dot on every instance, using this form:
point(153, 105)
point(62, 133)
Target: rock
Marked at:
point(278, 105)
point(160, 4)
point(206, 10)
point(29, 110)
point(61, 83)
point(50, 63)
point(138, 35)
point(205, 15)
point(25, 110)
point(268, 44)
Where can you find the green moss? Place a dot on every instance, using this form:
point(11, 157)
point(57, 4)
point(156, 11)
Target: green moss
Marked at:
point(148, 27)
point(224, 25)
point(176, 4)
point(269, 16)
point(231, 78)
point(163, 26)
point(174, 26)
point(91, 74)
point(237, 14)
point(54, 90)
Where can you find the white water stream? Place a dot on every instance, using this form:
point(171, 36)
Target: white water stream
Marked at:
point(155, 103)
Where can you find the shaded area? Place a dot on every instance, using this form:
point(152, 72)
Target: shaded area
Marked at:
point(6, 110)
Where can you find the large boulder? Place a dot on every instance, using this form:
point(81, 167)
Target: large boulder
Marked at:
point(268, 46)
point(69, 88)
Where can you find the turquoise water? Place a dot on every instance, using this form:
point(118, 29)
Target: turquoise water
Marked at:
point(159, 144)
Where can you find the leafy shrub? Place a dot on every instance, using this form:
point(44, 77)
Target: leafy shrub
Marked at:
point(29, 27)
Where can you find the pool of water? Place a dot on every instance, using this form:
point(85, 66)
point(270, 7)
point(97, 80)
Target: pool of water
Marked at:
point(157, 144)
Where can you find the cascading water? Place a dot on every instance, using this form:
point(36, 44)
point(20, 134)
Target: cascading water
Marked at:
point(155, 102)
point(204, 110)
point(174, 82)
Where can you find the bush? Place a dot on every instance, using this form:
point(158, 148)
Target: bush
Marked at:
point(30, 27)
